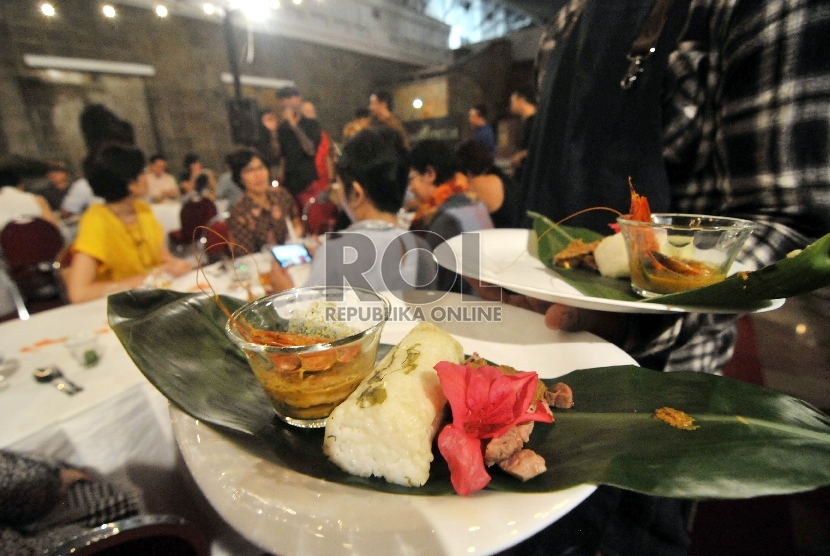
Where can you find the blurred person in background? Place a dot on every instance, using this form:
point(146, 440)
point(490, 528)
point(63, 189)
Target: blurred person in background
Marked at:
point(160, 184)
point(192, 170)
point(447, 206)
point(360, 122)
point(380, 109)
point(482, 130)
point(226, 188)
point(57, 185)
point(523, 105)
point(299, 139)
point(269, 143)
point(262, 215)
point(16, 203)
point(99, 126)
point(78, 197)
point(492, 186)
point(120, 242)
point(372, 172)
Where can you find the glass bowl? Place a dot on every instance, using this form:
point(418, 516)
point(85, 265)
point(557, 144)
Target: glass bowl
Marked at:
point(310, 347)
point(678, 252)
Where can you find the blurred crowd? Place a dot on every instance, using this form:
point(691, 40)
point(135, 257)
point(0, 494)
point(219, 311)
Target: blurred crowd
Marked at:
point(292, 183)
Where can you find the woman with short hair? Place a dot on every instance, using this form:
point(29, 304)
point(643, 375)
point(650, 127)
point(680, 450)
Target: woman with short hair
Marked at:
point(119, 242)
point(258, 218)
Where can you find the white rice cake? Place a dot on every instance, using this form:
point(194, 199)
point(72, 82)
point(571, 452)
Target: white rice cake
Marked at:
point(385, 428)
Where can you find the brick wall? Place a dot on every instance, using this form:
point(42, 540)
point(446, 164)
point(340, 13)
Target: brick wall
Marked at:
point(185, 99)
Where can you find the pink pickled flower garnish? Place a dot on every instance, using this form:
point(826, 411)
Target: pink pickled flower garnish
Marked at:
point(485, 403)
point(614, 226)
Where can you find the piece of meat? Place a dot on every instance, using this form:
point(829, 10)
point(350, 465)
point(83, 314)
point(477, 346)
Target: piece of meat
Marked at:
point(524, 465)
point(577, 254)
point(506, 445)
point(560, 395)
point(524, 430)
point(502, 447)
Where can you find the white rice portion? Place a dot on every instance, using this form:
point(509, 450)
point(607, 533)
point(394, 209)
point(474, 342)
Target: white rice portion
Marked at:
point(392, 437)
point(611, 256)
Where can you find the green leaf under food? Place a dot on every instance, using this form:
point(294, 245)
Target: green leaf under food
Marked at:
point(751, 441)
point(807, 271)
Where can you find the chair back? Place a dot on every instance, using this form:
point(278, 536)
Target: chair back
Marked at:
point(318, 216)
point(216, 245)
point(30, 242)
point(195, 213)
point(30, 247)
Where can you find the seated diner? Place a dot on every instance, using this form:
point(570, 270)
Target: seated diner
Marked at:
point(120, 242)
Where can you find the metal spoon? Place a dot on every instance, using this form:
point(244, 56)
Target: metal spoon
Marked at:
point(49, 374)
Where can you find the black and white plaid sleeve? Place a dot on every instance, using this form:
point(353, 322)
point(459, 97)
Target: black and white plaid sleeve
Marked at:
point(746, 134)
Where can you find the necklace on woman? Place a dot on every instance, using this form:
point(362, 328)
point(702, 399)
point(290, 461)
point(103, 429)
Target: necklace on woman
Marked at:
point(127, 215)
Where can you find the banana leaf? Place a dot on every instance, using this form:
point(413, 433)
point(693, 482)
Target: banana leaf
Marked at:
point(802, 273)
point(751, 441)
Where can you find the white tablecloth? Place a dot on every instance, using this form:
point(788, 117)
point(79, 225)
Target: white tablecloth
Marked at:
point(119, 424)
point(167, 213)
point(222, 278)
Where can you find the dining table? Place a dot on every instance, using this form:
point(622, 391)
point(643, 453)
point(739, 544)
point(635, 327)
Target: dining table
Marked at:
point(288, 513)
point(123, 427)
point(168, 213)
point(118, 424)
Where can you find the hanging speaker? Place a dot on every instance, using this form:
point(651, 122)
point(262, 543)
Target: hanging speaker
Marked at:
point(243, 115)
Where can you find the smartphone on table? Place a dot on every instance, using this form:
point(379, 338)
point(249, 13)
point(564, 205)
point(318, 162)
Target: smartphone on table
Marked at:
point(291, 254)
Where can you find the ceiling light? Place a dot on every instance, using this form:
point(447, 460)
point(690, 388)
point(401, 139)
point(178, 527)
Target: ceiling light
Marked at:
point(209, 9)
point(298, 2)
point(108, 10)
point(161, 11)
point(47, 9)
point(255, 10)
point(417, 104)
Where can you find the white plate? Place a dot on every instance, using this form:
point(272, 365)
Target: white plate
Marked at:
point(292, 514)
point(506, 262)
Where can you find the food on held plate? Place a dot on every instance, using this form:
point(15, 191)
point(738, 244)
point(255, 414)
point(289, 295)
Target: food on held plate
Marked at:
point(493, 414)
point(386, 426)
point(611, 256)
point(577, 254)
point(662, 253)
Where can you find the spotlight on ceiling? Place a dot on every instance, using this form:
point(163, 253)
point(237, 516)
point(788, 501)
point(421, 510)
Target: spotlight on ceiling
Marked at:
point(417, 104)
point(47, 9)
point(254, 10)
point(209, 9)
point(108, 10)
point(297, 2)
point(161, 11)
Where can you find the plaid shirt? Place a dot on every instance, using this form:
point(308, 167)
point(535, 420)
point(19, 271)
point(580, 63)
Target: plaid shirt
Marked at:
point(746, 128)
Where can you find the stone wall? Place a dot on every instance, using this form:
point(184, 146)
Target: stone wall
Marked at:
point(185, 100)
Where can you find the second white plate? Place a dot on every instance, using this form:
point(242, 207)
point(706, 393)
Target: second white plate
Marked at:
point(503, 260)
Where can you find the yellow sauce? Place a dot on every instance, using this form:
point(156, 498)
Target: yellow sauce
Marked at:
point(675, 418)
point(665, 281)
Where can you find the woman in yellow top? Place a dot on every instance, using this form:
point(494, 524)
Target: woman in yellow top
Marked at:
point(119, 242)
